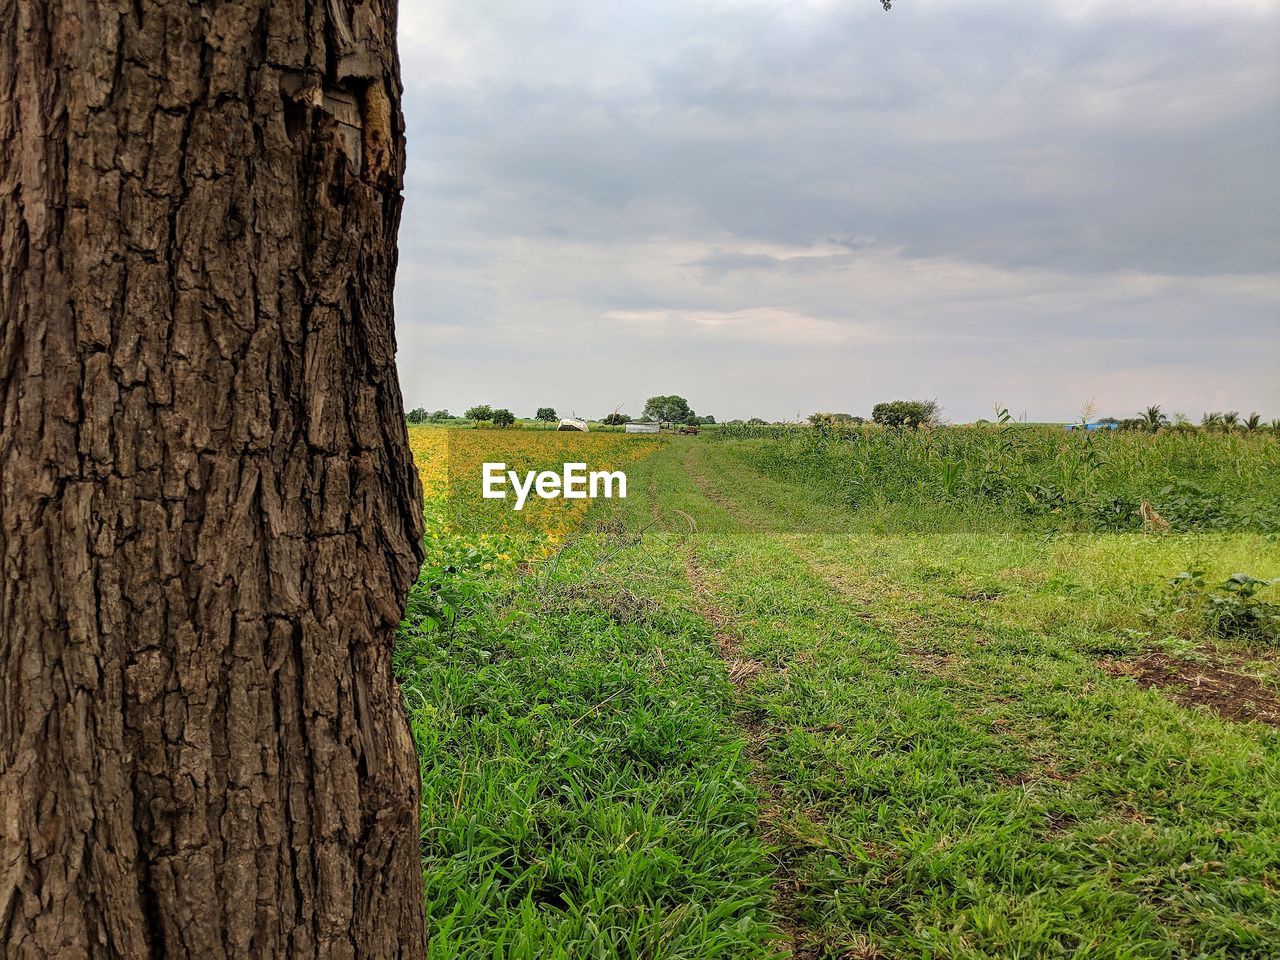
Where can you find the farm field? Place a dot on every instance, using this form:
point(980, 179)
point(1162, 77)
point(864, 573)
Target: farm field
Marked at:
point(884, 695)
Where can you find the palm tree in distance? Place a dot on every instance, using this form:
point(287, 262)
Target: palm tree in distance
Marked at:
point(1153, 418)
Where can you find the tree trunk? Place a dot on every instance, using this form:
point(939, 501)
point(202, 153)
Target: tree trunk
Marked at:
point(209, 516)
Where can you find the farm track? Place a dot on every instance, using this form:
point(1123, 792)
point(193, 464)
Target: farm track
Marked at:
point(964, 661)
point(694, 466)
point(779, 812)
point(740, 671)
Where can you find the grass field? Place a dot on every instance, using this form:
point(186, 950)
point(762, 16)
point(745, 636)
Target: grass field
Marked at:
point(841, 699)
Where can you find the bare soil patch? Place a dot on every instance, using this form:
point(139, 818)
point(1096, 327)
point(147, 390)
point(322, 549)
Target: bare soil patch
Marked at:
point(1211, 684)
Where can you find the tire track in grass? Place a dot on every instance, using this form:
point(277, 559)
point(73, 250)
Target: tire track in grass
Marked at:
point(740, 671)
point(790, 829)
point(777, 813)
point(980, 790)
point(689, 462)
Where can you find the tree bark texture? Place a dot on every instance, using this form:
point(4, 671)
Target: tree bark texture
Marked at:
point(209, 516)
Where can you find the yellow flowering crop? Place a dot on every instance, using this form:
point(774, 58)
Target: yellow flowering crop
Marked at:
point(450, 463)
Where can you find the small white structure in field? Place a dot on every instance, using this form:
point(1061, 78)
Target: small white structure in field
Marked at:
point(573, 423)
point(642, 427)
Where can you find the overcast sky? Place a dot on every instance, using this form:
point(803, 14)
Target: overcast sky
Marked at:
point(774, 207)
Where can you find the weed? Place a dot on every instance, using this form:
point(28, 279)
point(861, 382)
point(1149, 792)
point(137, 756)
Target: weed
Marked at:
point(1018, 475)
point(1230, 609)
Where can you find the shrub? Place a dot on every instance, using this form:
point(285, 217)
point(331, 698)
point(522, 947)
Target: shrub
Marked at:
point(906, 413)
point(1231, 609)
point(834, 422)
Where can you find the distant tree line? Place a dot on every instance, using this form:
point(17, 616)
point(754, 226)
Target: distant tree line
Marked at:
point(1153, 420)
point(420, 415)
point(672, 409)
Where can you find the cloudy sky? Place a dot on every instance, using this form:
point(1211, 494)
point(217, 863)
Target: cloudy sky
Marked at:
point(774, 207)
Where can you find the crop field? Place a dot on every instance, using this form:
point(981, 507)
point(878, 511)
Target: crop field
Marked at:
point(968, 692)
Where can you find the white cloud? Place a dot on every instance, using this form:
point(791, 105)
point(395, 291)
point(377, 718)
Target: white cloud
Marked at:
point(760, 324)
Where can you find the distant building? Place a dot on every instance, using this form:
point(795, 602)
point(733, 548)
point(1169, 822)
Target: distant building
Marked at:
point(1094, 426)
point(641, 428)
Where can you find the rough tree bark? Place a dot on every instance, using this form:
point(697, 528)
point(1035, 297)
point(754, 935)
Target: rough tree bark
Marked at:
point(209, 516)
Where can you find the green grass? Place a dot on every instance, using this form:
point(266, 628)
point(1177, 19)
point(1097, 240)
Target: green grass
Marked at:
point(961, 778)
point(931, 759)
point(584, 793)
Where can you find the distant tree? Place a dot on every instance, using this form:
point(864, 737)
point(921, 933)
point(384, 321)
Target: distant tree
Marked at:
point(1153, 418)
point(502, 417)
point(440, 415)
point(1211, 420)
point(756, 422)
point(1231, 420)
point(546, 413)
point(669, 409)
point(480, 412)
point(905, 413)
point(708, 420)
point(1253, 422)
point(417, 415)
point(616, 419)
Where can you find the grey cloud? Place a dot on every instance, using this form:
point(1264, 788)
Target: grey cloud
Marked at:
point(1086, 177)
